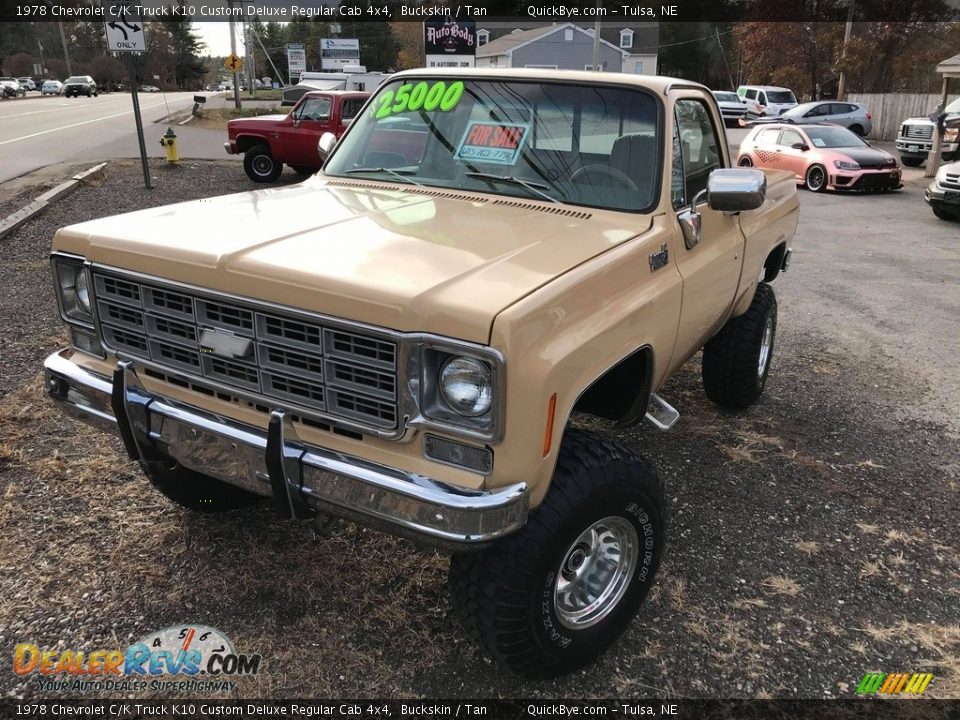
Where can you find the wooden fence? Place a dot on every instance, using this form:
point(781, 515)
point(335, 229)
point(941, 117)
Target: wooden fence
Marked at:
point(889, 110)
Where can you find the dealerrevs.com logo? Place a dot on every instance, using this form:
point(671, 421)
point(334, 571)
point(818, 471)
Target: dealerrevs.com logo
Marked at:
point(199, 658)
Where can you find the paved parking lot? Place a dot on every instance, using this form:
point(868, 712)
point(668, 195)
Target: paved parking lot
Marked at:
point(812, 539)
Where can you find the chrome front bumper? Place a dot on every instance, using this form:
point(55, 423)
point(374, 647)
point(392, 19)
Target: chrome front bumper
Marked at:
point(229, 148)
point(302, 479)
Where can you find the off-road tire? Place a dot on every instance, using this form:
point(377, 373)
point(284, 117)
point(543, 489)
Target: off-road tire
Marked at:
point(505, 595)
point(810, 178)
point(194, 491)
point(260, 165)
point(911, 161)
point(303, 170)
point(731, 359)
point(944, 214)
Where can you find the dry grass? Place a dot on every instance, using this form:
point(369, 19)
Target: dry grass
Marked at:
point(808, 547)
point(780, 585)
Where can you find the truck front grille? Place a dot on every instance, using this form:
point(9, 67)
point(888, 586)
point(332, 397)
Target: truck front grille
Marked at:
point(952, 180)
point(917, 132)
point(315, 364)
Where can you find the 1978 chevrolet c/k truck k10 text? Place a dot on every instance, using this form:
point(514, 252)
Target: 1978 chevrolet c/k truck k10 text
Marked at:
point(401, 339)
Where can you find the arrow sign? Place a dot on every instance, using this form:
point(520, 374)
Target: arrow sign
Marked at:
point(124, 27)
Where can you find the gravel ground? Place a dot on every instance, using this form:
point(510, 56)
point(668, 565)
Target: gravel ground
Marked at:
point(813, 538)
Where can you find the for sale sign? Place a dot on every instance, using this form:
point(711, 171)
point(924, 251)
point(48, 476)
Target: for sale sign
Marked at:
point(492, 142)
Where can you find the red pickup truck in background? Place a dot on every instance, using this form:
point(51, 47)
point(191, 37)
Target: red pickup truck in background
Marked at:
point(270, 141)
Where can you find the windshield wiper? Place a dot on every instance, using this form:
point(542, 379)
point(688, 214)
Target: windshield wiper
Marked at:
point(400, 175)
point(535, 188)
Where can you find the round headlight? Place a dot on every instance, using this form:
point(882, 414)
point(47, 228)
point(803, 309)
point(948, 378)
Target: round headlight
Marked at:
point(466, 387)
point(83, 290)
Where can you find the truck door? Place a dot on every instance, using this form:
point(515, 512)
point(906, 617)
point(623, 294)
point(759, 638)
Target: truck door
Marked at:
point(311, 119)
point(709, 265)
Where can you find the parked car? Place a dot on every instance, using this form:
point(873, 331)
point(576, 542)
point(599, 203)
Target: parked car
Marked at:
point(80, 85)
point(732, 106)
point(11, 87)
point(766, 100)
point(51, 87)
point(27, 83)
point(405, 343)
point(149, 88)
point(212, 87)
point(943, 194)
point(821, 157)
point(270, 141)
point(915, 138)
point(852, 116)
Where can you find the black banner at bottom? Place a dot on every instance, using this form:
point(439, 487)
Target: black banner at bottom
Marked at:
point(520, 708)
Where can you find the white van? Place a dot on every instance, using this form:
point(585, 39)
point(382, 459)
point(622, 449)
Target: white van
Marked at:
point(766, 100)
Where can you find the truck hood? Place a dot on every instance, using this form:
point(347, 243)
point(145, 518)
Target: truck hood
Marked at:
point(254, 121)
point(424, 260)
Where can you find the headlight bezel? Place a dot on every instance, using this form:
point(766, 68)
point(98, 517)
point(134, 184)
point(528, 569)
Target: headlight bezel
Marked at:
point(848, 165)
point(67, 269)
point(435, 413)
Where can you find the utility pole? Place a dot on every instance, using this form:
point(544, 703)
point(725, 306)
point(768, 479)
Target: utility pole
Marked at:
point(233, 53)
point(724, 53)
point(66, 52)
point(596, 39)
point(842, 82)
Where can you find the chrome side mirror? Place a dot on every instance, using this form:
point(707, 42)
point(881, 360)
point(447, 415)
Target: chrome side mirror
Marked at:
point(736, 189)
point(325, 144)
point(728, 190)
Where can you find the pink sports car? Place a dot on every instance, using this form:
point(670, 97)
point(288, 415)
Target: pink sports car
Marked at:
point(823, 157)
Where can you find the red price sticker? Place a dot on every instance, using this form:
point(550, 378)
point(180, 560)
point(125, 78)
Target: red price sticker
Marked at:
point(492, 142)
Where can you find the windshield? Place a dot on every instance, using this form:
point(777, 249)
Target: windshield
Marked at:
point(780, 96)
point(833, 137)
point(727, 97)
point(586, 145)
point(953, 108)
point(76, 79)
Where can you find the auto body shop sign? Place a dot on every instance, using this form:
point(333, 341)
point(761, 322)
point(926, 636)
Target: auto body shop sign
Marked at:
point(449, 43)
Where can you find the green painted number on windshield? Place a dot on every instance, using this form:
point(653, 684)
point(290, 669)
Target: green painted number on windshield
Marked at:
point(411, 97)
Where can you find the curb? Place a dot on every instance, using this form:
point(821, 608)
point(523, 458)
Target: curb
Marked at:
point(32, 209)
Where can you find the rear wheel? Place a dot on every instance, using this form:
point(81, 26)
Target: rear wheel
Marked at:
point(736, 361)
point(745, 161)
point(816, 178)
point(911, 161)
point(553, 596)
point(858, 129)
point(260, 165)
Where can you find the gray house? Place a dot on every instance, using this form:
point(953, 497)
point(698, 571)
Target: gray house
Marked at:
point(560, 47)
point(637, 41)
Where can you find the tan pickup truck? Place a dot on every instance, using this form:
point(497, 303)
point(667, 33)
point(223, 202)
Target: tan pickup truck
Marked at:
point(402, 339)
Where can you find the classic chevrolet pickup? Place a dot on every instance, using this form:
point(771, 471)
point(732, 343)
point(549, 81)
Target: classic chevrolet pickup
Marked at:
point(402, 339)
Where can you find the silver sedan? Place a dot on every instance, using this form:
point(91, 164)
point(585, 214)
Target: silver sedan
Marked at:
point(851, 115)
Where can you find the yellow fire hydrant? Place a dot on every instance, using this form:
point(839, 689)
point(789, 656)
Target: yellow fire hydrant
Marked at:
point(169, 143)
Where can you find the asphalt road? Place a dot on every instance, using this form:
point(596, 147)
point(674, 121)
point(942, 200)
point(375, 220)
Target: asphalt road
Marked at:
point(38, 131)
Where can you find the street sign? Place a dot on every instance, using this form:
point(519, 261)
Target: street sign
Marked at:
point(124, 25)
point(233, 63)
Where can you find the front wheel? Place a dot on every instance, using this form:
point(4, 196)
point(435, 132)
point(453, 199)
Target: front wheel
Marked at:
point(911, 161)
point(816, 178)
point(736, 361)
point(554, 595)
point(944, 214)
point(260, 165)
point(304, 170)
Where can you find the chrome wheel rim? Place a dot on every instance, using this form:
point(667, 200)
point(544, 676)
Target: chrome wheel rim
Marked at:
point(815, 178)
point(745, 162)
point(595, 572)
point(765, 345)
point(262, 165)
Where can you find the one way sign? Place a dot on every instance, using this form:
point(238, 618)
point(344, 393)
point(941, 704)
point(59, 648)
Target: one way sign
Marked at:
point(125, 27)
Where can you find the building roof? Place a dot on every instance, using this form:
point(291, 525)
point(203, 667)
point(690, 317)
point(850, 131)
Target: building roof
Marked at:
point(950, 67)
point(646, 35)
point(508, 43)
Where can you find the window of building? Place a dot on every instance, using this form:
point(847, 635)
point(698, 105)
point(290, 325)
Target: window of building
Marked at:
point(483, 37)
point(638, 67)
point(568, 34)
point(626, 39)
